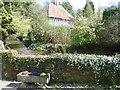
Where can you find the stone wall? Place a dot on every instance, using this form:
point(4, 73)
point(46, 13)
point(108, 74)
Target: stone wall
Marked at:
point(61, 73)
point(65, 74)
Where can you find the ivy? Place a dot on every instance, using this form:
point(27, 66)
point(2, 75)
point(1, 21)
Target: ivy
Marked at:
point(103, 66)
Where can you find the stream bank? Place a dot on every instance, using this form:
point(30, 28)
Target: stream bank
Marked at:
point(14, 43)
point(46, 49)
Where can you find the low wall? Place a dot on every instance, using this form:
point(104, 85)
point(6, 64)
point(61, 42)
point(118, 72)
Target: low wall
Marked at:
point(64, 68)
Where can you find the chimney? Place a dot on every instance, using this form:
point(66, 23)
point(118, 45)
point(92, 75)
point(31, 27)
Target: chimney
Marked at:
point(56, 2)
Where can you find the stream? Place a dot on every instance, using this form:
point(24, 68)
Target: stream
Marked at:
point(16, 44)
point(13, 43)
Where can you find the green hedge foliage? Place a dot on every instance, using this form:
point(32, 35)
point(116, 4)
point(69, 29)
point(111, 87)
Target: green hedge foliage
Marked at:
point(103, 66)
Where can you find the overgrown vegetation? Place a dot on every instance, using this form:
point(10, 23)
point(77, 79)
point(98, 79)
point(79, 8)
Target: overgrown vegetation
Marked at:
point(29, 19)
point(13, 21)
point(83, 33)
point(88, 30)
point(89, 10)
point(111, 34)
point(7, 26)
point(110, 13)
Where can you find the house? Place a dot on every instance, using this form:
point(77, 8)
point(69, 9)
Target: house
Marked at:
point(58, 15)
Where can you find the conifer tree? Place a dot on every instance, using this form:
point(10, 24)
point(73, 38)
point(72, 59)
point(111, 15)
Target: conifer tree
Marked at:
point(89, 10)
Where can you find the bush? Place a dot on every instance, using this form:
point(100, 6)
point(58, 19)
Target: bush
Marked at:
point(85, 32)
point(60, 34)
point(57, 34)
point(54, 35)
point(111, 34)
point(110, 13)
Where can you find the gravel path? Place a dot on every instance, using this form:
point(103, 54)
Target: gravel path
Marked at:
point(15, 85)
point(9, 84)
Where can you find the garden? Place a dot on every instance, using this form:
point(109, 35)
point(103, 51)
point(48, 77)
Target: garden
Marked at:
point(85, 53)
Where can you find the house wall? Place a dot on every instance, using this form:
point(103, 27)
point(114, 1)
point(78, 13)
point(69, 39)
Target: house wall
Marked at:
point(57, 22)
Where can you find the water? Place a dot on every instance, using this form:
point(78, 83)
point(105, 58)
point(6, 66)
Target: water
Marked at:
point(21, 48)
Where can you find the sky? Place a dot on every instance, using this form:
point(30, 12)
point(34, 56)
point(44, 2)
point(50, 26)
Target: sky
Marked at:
point(79, 4)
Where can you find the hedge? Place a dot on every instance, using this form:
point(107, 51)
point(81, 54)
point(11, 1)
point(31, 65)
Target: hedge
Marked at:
point(73, 68)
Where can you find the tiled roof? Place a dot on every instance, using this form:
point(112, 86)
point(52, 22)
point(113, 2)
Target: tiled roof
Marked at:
point(57, 11)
